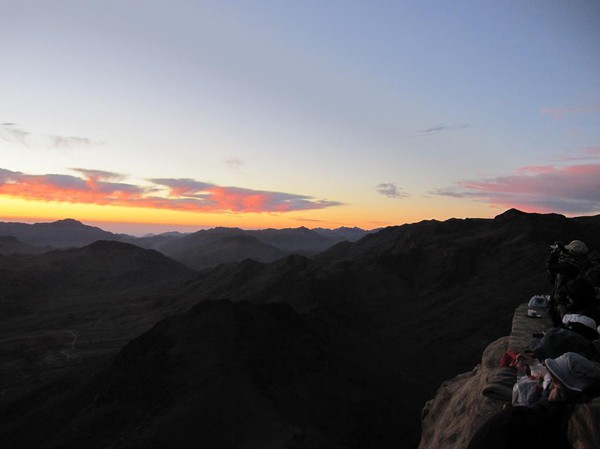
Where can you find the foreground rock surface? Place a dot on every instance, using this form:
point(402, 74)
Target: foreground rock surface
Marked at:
point(458, 410)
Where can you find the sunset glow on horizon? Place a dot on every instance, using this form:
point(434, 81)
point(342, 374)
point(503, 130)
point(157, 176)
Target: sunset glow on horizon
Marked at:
point(188, 115)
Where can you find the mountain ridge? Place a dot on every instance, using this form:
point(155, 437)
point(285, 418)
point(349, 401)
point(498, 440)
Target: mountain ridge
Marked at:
point(199, 250)
point(419, 302)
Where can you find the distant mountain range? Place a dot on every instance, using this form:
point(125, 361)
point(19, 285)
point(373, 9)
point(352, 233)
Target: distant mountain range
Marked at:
point(115, 346)
point(199, 250)
point(59, 234)
point(12, 245)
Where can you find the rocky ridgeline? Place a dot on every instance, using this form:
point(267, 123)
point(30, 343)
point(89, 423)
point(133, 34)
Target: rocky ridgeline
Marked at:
point(459, 409)
point(339, 350)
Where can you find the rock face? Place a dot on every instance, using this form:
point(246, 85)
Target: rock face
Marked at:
point(459, 409)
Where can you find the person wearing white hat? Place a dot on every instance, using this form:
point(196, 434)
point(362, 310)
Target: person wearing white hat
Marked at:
point(581, 324)
point(572, 373)
point(544, 424)
point(577, 247)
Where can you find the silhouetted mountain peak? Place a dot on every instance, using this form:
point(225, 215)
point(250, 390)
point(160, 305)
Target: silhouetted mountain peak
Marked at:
point(58, 234)
point(518, 216)
point(68, 222)
point(222, 229)
point(510, 213)
point(513, 217)
point(295, 261)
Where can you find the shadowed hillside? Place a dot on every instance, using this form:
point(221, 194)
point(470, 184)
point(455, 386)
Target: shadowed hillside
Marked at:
point(102, 267)
point(205, 249)
point(341, 351)
point(211, 247)
point(232, 375)
point(12, 245)
point(64, 308)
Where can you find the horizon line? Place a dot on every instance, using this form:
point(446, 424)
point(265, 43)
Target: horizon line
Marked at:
point(116, 227)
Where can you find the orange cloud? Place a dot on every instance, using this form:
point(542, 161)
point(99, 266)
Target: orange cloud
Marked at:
point(97, 187)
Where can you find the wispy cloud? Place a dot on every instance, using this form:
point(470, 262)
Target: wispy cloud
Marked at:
point(101, 187)
point(307, 220)
point(558, 113)
point(442, 128)
point(183, 187)
point(582, 154)
point(99, 175)
point(234, 162)
point(11, 132)
point(69, 142)
point(572, 189)
point(390, 190)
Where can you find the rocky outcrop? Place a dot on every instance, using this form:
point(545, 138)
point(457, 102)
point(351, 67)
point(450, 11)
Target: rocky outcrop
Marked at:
point(457, 411)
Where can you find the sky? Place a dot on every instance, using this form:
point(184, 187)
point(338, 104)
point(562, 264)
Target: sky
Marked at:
point(148, 116)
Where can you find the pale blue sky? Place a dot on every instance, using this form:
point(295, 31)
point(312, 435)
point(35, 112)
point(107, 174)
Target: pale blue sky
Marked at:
point(326, 99)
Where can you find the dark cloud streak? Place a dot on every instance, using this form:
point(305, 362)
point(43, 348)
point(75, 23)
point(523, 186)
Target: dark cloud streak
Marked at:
point(390, 190)
point(9, 132)
point(442, 128)
point(234, 162)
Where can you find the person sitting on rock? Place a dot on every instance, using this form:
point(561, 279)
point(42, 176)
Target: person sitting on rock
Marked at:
point(543, 425)
point(592, 273)
point(582, 324)
point(581, 299)
point(565, 263)
point(567, 260)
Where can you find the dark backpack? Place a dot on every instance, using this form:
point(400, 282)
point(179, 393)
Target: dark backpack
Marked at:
point(592, 273)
